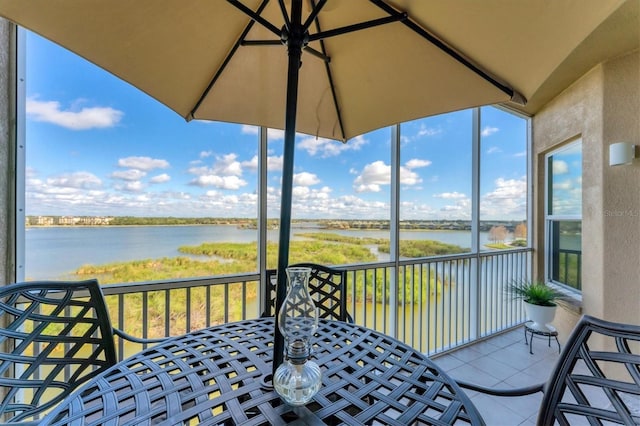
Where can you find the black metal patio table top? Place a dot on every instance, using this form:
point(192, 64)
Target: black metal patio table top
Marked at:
point(214, 377)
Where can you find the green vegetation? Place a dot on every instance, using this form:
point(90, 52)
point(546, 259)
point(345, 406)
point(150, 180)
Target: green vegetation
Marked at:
point(569, 269)
point(325, 236)
point(518, 228)
point(519, 243)
point(217, 259)
point(424, 248)
point(498, 246)
point(165, 221)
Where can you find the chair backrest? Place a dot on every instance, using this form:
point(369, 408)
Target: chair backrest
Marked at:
point(327, 287)
point(597, 380)
point(58, 335)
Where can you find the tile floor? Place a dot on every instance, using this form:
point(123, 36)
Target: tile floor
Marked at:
point(504, 361)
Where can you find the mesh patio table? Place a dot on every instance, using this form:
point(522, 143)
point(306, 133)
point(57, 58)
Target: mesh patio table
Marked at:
point(215, 377)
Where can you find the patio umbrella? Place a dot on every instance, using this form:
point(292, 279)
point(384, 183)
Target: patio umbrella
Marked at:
point(367, 64)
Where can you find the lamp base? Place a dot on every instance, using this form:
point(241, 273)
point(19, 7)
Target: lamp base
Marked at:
point(266, 382)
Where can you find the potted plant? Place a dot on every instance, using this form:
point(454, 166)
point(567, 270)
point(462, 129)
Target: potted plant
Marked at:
point(539, 303)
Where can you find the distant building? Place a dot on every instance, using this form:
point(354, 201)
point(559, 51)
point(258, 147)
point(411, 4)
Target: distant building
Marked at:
point(69, 220)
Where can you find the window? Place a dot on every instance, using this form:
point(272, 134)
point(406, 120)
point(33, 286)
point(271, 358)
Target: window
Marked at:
point(563, 218)
point(105, 165)
point(435, 185)
point(503, 180)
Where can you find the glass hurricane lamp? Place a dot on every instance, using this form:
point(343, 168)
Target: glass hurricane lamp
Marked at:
point(298, 378)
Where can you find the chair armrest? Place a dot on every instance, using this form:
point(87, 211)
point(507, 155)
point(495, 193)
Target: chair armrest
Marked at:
point(135, 339)
point(526, 390)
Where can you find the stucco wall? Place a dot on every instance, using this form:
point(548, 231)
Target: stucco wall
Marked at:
point(601, 108)
point(621, 194)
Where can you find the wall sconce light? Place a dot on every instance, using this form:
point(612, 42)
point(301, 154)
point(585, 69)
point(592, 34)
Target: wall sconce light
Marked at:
point(621, 153)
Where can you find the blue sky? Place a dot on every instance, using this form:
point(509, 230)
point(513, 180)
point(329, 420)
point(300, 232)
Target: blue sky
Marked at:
point(98, 146)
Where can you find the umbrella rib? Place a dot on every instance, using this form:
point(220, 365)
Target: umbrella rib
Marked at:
point(261, 42)
point(285, 16)
point(256, 17)
point(395, 17)
point(317, 53)
point(315, 10)
point(329, 74)
point(235, 47)
point(308, 49)
point(442, 45)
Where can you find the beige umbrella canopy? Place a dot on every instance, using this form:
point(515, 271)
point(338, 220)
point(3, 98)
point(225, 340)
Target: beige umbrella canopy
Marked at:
point(365, 64)
point(173, 49)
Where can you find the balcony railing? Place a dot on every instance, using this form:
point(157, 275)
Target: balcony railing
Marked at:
point(433, 304)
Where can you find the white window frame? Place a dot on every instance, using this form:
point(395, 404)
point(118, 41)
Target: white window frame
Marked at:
point(550, 218)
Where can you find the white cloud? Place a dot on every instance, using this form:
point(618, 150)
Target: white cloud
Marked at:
point(560, 167)
point(407, 177)
point(272, 134)
point(377, 173)
point(373, 175)
point(199, 171)
point(130, 175)
point(251, 164)
point(162, 178)
point(450, 208)
point(563, 186)
point(330, 148)
point(78, 180)
point(221, 182)
point(428, 131)
point(450, 195)
point(225, 173)
point(422, 132)
point(509, 188)
point(83, 119)
point(136, 186)
point(205, 154)
point(305, 179)
point(274, 163)
point(143, 163)
point(249, 130)
point(493, 150)
point(227, 165)
point(507, 200)
point(275, 134)
point(300, 191)
point(416, 163)
point(488, 131)
point(372, 187)
point(353, 207)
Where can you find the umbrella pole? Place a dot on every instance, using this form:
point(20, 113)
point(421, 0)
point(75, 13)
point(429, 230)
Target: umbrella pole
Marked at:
point(295, 41)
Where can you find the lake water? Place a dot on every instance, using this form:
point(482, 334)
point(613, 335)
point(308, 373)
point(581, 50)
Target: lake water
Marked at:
point(53, 252)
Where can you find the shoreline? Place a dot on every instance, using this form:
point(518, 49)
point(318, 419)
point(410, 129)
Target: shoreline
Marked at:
point(440, 225)
point(293, 225)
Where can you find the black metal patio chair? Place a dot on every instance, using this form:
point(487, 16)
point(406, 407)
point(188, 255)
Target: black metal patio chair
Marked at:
point(327, 286)
point(596, 380)
point(54, 336)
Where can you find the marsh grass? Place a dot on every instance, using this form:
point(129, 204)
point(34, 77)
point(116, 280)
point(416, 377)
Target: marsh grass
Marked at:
point(167, 311)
